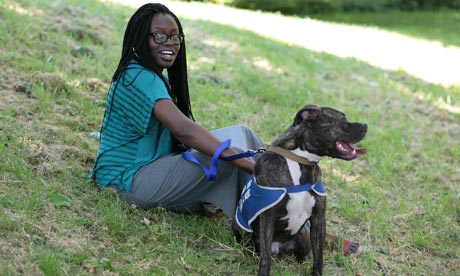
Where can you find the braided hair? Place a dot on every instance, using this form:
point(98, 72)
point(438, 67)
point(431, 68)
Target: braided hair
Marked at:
point(136, 46)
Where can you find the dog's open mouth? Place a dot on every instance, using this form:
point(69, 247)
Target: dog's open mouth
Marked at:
point(349, 151)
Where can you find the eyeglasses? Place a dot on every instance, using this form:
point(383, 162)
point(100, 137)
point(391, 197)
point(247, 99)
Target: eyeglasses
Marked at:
point(160, 38)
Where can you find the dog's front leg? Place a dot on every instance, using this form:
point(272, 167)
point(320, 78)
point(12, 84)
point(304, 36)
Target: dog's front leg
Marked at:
point(266, 229)
point(317, 234)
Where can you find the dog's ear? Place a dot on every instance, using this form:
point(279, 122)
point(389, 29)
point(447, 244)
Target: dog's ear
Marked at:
point(309, 112)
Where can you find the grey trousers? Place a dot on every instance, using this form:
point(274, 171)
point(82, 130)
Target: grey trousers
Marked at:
point(180, 185)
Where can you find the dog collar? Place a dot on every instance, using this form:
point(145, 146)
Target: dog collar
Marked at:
point(256, 199)
point(290, 155)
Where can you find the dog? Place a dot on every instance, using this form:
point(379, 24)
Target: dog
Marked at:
point(287, 179)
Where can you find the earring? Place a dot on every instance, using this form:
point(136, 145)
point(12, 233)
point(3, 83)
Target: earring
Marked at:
point(135, 53)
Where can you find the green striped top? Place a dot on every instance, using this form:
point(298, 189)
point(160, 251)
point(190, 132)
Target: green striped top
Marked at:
point(131, 136)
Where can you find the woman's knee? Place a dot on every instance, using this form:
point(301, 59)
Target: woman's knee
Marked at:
point(244, 128)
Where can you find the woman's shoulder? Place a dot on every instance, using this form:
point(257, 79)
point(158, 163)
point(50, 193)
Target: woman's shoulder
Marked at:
point(137, 75)
point(141, 80)
point(136, 70)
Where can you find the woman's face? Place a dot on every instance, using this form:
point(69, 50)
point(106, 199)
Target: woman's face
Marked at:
point(164, 54)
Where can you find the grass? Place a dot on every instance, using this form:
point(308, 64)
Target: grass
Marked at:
point(436, 26)
point(400, 200)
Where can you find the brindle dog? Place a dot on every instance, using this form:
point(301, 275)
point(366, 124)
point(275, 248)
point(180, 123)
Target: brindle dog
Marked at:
point(316, 132)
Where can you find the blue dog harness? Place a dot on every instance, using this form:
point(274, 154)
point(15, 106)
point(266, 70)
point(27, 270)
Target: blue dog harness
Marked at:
point(256, 199)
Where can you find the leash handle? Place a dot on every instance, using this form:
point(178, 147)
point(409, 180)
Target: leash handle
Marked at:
point(210, 173)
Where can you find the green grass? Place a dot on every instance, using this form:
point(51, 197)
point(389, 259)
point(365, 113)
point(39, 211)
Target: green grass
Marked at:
point(400, 200)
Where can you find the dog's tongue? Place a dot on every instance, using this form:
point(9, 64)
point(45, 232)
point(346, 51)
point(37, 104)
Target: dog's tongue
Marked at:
point(359, 150)
point(350, 148)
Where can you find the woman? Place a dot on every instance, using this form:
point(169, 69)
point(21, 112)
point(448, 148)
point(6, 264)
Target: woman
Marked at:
point(148, 119)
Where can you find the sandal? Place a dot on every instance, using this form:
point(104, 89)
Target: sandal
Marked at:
point(210, 210)
point(350, 248)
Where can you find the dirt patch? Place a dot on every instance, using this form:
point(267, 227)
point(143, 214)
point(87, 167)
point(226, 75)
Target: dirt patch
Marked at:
point(80, 24)
point(48, 158)
point(51, 82)
point(97, 85)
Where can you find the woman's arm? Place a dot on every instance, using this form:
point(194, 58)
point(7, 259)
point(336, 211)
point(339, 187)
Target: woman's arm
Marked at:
point(192, 134)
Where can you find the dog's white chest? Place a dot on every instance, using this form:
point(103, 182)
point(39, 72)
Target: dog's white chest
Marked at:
point(300, 205)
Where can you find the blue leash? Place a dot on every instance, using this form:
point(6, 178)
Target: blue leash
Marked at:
point(211, 172)
point(248, 153)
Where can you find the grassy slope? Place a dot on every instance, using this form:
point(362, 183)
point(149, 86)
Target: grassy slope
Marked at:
point(441, 26)
point(400, 201)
